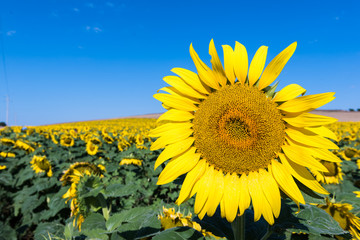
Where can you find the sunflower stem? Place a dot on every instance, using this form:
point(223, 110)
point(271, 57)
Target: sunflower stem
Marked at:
point(238, 227)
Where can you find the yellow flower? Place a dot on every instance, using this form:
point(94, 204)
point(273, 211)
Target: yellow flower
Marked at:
point(341, 213)
point(238, 141)
point(2, 167)
point(41, 164)
point(72, 176)
point(81, 167)
point(7, 141)
point(131, 161)
point(67, 140)
point(170, 219)
point(334, 176)
point(22, 145)
point(107, 138)
point(140, 142)
point(91, 148)
point(357, 193)
point(8, 154)
point(123, 144)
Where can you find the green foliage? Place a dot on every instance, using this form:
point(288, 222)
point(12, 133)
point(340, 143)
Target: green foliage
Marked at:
point(125, 202)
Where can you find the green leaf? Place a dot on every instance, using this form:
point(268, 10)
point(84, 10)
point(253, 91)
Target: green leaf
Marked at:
point(48, 230)
point(96, 233)
point(94, 221)
point(6, 232)
point(317, 221)
point(179, 233)
point(120, 190)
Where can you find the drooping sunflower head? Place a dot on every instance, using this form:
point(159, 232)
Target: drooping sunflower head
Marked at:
point(75, 170)
point(131, 161)
point(41, 164)
point(237, 139)
point(341, 213)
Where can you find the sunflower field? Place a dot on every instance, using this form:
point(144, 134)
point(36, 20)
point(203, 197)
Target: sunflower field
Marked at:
point(96, 180)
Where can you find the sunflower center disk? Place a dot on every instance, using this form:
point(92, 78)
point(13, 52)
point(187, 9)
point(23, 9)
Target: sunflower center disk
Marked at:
point(331, 167)
point(238, 129)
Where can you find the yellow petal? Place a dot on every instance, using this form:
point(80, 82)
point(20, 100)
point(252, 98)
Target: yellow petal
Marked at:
point(289, 92)
point(241, 62)
point(205, 183)
point(191, 178)
point(308, 138)
point(167, 127)
point(178, 166)
point(323, 131)
point(175, 115)
point(286, 181)
point(171, 137)
point(182, 87)
point(302, 174)
point(244, 199)
point(324, 154)
point(300, 156)
point(229, 63)
point(307, 103)
point(217, 67)
point(257, 65)
point(191, 79)
point(216, 193)
point(176, 102)
point(256, 194)
point(275, 67)
point(231, 196)
point(205, 73)
point(271, 191)
point(174, 92)
point(174, 149)
point(308, 120)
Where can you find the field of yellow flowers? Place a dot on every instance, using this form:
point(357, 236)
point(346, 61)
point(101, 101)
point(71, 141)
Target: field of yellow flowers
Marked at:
point(97, 180)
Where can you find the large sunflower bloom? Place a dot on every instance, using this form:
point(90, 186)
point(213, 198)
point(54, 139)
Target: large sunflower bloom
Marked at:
point(236, 139)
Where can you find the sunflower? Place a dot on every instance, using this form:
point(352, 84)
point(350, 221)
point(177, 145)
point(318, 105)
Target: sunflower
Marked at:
point(7, 141)
point(2, 167)
point(67, 140)
point(91, 148)
point(341, 213)
point(333, 176)
point(25, 146)
point(131, 161)
point(236, 139)
point(7, 154)
point(72, 176)
point(348, 153)
point(170, 219)
point(41, 164)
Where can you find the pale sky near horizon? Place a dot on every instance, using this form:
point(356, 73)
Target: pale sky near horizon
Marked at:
point(66, 60)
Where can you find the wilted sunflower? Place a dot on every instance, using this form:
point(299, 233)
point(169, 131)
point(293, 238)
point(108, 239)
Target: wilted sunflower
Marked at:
point(333, 176)
point(341, 213)
point(238, 140)
point(41, 164)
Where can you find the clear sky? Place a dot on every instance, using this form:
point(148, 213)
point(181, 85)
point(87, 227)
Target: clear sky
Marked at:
point(72, 60)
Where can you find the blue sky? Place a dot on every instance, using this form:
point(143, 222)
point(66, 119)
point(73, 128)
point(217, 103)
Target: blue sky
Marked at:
point(73, 60)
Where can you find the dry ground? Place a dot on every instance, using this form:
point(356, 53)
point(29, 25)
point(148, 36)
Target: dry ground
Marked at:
point(342, 116)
